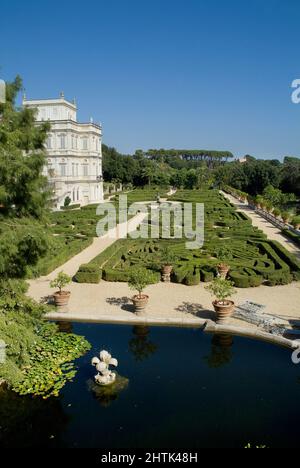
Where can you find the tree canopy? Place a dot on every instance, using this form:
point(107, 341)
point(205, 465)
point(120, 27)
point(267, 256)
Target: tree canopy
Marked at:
point(23, 189)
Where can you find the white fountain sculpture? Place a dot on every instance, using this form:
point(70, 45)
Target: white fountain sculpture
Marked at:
point(105, 376)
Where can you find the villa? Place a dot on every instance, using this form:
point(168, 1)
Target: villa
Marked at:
point(74, 152)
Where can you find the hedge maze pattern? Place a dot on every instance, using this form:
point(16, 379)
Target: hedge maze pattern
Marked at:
point(253, 258)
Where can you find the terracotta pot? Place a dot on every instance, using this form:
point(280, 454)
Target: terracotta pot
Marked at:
point(167, 269)
point(61, 299)
point(140, 303)
point(223, 311)
point(223, 270)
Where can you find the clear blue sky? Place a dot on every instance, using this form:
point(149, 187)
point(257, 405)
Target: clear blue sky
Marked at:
point(210, 74)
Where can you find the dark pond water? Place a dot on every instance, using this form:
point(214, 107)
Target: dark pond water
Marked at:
point(185, 389)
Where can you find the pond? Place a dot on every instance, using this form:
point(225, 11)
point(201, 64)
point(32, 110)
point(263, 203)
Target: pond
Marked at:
point(185, 389)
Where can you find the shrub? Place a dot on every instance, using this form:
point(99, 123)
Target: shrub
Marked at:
point(285, 215)
point(221, 289)
point(88, 273)
point(168, 257)
point(70, 207)
point(279, 278)
point(140, 278)
point(242, 279)
point(67, 202)
point(291, 235)
point(277, 212)
point(296, 222)
point(192, 278)
point(60, 281)
point(207, 275)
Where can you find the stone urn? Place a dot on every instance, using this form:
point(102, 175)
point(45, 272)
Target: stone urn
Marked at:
point(166, 273)
point(223, 270)
point(61, 299)
point(224, 310)
point(140, 303)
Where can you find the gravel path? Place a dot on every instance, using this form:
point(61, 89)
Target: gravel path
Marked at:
point(169, 303)
point(268, 228)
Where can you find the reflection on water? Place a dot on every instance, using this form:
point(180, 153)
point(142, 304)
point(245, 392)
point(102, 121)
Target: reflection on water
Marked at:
point(65, 327)
point(140, 345)
point(27, 421)
point(107, 394)
point(173, 378)
point(221, 350)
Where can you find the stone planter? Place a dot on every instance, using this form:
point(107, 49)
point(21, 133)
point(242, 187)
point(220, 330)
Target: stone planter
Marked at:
point(223, 310)
point(223, 270)
point(140, 303)
point(61, 299)
point(166, 273)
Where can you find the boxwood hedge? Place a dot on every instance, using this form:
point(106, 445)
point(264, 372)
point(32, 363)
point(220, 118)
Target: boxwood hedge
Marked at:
point(254, 259)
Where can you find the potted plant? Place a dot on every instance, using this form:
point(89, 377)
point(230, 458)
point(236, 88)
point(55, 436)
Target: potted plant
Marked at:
point(224, 255)
point(276, 213)
point(139, 279)
point(263, 204)
point(168, 258)
point(61, 297)
point(269, 207)
point(296, 222)
point(258, 202)
point(285, 217)
point(222, 290)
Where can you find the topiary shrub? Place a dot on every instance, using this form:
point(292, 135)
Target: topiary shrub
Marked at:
point(88, 273)
point(279, 279)
point(192, 278)
point(207, 275)
point(243, 279)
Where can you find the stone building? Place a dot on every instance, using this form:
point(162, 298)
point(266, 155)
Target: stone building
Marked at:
point(74, 152)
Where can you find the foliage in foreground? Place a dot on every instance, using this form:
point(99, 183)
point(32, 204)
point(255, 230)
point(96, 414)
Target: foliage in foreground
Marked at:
point(38, 356)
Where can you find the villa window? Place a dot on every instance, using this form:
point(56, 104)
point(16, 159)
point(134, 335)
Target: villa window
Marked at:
point(49, 142)
point(85, 169)
point(62, 141)
point(84, 143)
point(63, 170)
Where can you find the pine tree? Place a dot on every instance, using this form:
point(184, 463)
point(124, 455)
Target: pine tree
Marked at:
point(23, 188)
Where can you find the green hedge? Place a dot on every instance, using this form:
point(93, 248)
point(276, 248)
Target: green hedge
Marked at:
point(254, 259)
point(70, 207)
point(88, 273)
point(64, 251)
point(291, 235)
point(245, 278)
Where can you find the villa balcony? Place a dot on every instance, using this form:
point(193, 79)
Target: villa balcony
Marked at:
point(74, 179)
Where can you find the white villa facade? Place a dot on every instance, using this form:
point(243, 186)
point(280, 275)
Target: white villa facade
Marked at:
point(74, 152)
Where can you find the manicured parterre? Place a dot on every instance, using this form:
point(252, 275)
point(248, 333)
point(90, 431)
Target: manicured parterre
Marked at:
point(253, 259)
